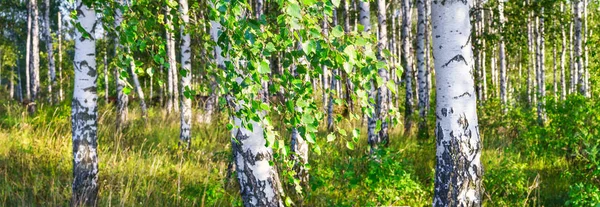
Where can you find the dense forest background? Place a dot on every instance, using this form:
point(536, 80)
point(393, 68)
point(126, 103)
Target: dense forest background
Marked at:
point(299, 103)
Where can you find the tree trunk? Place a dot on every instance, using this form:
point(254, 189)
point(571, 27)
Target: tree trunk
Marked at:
point(28, 53)
point(458, 177)
point(578, 47)
point(422, 69)
point(502, 57)
point(541, 69)
point(84, 112)
point(407, 63)
point(59, 34)
point(51, 71)
point(34, 64)
point(258, 180)
point(382, 104)
point(563, 51)
point(138, 87)
point(106, 73)
point(122, 99)
point(171, 104)
point(185, 136)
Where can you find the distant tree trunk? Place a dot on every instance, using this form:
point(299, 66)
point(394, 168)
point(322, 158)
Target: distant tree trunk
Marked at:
point(584, 56)
point(106, 73)
point(458, 174)
point(298, 144)
point(185, 136)
point(51, 71)
point(541, 69)
point(578, 48)
point(59, 34)
point(122, 99)
point(483, 55)
point(20, 86)
point(171, 85)
point(563, 51)
point(348, 82)
point(422, 69)
point(554, 66)
point(428, 67)
point(332, 84)
point(503, 78)
point(572, 64)
point(84, 112)
point(138, 87)
point(28, 52)
point(407, 63)
point(34, 65)
point(382, 105)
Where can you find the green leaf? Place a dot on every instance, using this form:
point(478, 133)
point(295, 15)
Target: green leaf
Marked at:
point(307, 118)
point(309, 47)
point(330, 137)
point(310, 138)
point(264, 67)
point(336, 3)
point(127, 90)
point(288, 201)
point(337, 31)
point(317, 149)
point(342, 132)
point(351, 52)
point(391, 86)
point(294, 10)
point(350, 145)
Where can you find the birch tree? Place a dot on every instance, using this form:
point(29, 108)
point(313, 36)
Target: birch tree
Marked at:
point(59, 34)
point(578, 49)
point(34, 64)
point(407, 63)
point(382, 105)
point(186, 65)
point(541, 68)
point(122, 99)
point(49, 47)
point(422, 69)
point(84, 110)
point(258, 180)
point(563, 51)
point(502, 57)
point(458, 172)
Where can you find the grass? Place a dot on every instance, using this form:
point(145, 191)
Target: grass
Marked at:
point(142, 166)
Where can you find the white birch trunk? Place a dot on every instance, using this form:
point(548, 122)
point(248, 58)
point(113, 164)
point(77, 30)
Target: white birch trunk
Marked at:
point(84, 112)
point(563, 51)
point(407, 63)
point(382, 104)
point(59, 34)
point(258, 180)
point(458, 177)
point(28, 53)
point(51, 68)
point(122, 99)
point(185, 135)
point(541, 69)
point(578, 49)
point(502, 57)
point(422, 69)
point(34, 64)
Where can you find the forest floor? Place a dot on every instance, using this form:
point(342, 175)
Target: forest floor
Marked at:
point(142, 166)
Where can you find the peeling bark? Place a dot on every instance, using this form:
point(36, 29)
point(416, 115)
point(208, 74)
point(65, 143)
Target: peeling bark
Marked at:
point(185, 135)
point(458, 177)
point(84, 112)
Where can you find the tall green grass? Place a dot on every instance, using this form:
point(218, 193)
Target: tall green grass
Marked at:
point(142, 165)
